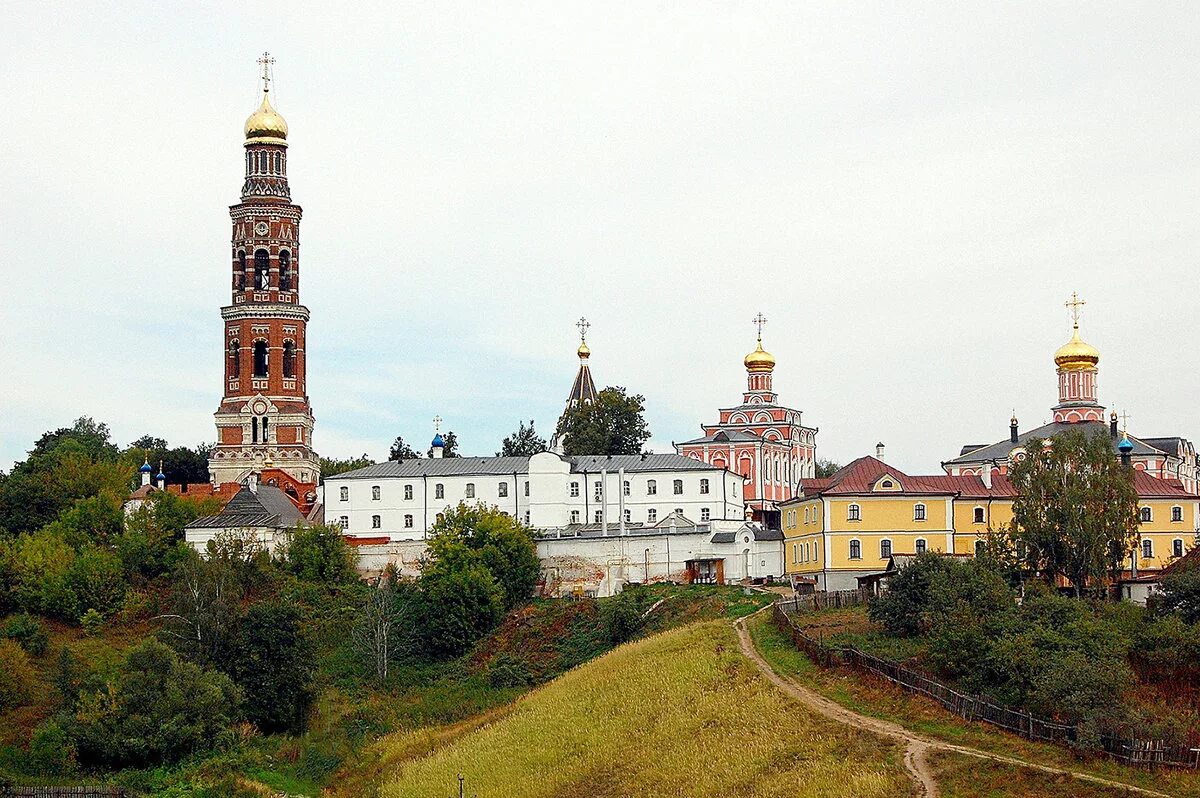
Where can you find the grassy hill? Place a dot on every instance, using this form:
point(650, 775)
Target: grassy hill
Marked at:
point(681, 712)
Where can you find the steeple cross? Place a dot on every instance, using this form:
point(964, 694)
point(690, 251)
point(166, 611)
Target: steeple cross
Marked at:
point(1124, 422)
point(1073, 307)
point(583, 324)
point(758, 322)
point(266, 62)
point(437, 423)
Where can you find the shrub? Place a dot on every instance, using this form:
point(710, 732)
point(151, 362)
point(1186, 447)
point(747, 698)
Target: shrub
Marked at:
point(460, 602)
point(271, 661)
point(621, 615)
point(505, 670)
point(51, 751)
point(319, 553)
point(28, 631)
point(92, 622)
point(496, 540)
point(97, 581)
point(43, 565)
point(1181, 594)
point(18, 680)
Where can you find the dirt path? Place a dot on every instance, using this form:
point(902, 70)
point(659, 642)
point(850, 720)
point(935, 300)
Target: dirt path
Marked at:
point(916, 746)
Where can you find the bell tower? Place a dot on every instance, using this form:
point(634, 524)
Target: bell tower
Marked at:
point(264, 420)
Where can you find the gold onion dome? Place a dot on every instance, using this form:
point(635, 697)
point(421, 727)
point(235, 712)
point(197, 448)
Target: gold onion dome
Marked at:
point(760, 360)
point(584, 352)
point(266, 126)
point(1076, 354)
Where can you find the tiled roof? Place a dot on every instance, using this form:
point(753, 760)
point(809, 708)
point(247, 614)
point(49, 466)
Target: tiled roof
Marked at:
point(495, 466)
point(267, 506)
point(732, 436)
point(1001, 449)
point(1151, 487)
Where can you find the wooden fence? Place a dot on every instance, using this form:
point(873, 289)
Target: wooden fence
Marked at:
point(834, 599)
point(8, 790)
point(971, 707)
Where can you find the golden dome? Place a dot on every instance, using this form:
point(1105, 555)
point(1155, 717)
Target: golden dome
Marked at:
point(266, 126)
point(760, 360)
point(1076, 355)
point(584, 352)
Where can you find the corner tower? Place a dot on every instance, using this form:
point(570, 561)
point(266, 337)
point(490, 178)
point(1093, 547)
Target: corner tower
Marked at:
point(264, 420)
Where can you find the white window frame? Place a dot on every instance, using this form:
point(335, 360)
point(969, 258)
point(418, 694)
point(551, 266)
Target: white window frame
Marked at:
point(920, 512)
point(854, 512)
point(651, 487)
point(677, 487)
point(439, 491)
point(1147, 549)
point(920, 546)
point(705, 514)
point(408, 521)
point(344, 493)
point(888, 541)
point(1177, 514)
point(652, 516)
point(469, 490)
point(376, 522)
point(375, 493)
point(704, 487)
point(854, 542)
point(408, 493)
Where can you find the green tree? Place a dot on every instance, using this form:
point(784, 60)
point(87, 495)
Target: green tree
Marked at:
point(1076, 510)
point(402, 451)
point(272, 662)
point(154, 708)
point(43, 566)
point(18, 679)
point(181, 464)
point(97, 580)
point(826, 468)
point(151, 543)
point(1181, 594)
point(384, 629)
point(205, 606)
point(488, 536)
point(461, 601)
point(332, 467)
point(525, 442)
point(320, 554)
point(614, 424)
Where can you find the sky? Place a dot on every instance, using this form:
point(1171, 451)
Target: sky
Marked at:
point(909, 192)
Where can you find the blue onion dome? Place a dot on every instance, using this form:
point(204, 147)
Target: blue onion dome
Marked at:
point(146, 469)
point(1126, 445)
point(160, 475)
point(438, 441)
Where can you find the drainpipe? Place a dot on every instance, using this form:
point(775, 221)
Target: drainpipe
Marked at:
point(425, 501)
point(604, 502)
point(621, 499)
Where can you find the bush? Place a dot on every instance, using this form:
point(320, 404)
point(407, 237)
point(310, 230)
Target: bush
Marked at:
point(320, 554)
point(271, 661)
point(1181, 594)
point(29, 632)
point(51, 752)
point(494, 539)
point(460, 602)
point(43, 566)
point(621, 615)
point(97, 581)
point(18, 680)
point(505, 670)
point(92, 622)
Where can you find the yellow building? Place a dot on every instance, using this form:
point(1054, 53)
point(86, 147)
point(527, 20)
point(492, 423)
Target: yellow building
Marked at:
point(848, 525)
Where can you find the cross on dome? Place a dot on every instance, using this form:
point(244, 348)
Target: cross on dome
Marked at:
point(583, 324)
point(758, 322)
point(1125, 422)
point(266, 62)
point(1073, 307)
point(437, 423)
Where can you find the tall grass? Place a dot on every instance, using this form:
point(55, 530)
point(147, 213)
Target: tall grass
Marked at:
point(681, 713)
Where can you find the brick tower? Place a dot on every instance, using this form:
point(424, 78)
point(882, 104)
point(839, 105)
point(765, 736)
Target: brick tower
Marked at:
point(265, 423)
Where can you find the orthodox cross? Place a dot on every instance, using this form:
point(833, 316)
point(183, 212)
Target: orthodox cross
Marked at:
point(266, 62)
point(437, 423)
point(758, 322)
point(1125, 422)
point(1074, 305)
point(583, 324)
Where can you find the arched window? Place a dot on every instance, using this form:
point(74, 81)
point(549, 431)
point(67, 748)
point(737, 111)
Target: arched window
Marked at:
point(408, 493)
point(254, 431)
point(885, 548)
point(1177, 547)
point(651, 487)
point(470, 491)
point(678, 487)
point(260, 358)
point(239, 277)
point(979, 515)
point(439, 491)
point(1177, 513)
point(625, 487)
point(235, 359)
point(264, 431)
point(1147, 549)
point(285, 270)
point(918, 512)
point(855, 550)
point(1146, 515)
point(920, 546)
point(289, 359)
point(376, 522)
point(704, 486)
point(344, 493)
point(374, 493)
point(854, 513)
point(262, 269)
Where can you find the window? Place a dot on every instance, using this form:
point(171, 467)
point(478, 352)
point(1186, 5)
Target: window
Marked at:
point(918, 512)
point(806, 515)
point(855, 550)
point(1146, 515)
point(241, 273)
point(526, 518)
point(651, 487)
point(598, 491)
point(260, 358)
point(344, 493)
point(628, 516)
point(574, 490)
point(598, 516)
point(920, 546)
point(979, 515)
point(574, 516)
point(1147, 549)
point(408, 493)
point(374, 493)
point(285, 271)
point(677, 487)
point(795, 552)
point(853, 513)
point(470, 491)
point(885, 548)
point(1177, 513)
point(704, 514)
point(408, 522)
point(502, 490)
point(979, 548)
point(886, 484)
point(344, 522)
point(439, 491)
point(235, 359)
point(704, 486)
point(262, 269)
point(625, 486)
point(376, 522)
point(289, 359)
point(1177, 547)
point(526, 487)
point(651, 515)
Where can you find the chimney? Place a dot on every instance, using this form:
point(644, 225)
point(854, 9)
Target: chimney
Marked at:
point(1112, 425)
point(1012, 428)
point(985, 474)
point(879, 451)
point(252, 482)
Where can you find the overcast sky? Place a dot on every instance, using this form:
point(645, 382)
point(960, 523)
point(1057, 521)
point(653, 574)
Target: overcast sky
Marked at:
point(909, 194)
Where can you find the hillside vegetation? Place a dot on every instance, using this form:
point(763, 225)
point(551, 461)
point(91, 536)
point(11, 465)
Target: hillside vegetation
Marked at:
point(682, 712)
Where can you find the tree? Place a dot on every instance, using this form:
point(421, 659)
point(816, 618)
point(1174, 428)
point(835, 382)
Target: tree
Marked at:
point(1076, 510)
point(204, 607)
point(525, 442)
point(493, 538)
point(43, 563)
point(614, 424)
point(461, 601)
point(826, 468)
point(271, 661)
point(449, 445)
point(1181, 594)
point(332, 467)
point(97, 580)
point(402, 451)
point(151, 544)
point(319, 553)
point(181, 465)
point(384, 630)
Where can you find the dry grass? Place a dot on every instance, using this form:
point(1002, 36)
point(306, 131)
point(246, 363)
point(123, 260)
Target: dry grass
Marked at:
point(681, 713)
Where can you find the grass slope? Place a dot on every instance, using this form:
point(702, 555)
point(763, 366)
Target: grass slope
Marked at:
point(682, 712)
